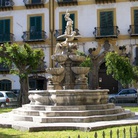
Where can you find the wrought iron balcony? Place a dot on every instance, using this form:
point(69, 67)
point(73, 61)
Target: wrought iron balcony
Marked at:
point(6, 3)
point(61, 32)
point(3, 68)
point(29, 3)
point(30, 36)
point(41, 67)
point(106, 32)
point(105, 1)
point(7, 38)
point(67, 2)
point(133, 30)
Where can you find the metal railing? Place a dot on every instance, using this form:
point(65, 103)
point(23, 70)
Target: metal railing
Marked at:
point(104, 32)
point(35, 2)
point(62, 2)
point(7, 38)
point(122, 133)
point(133, 30)
point(105, 1)
point(34, 36)
point(6, 3)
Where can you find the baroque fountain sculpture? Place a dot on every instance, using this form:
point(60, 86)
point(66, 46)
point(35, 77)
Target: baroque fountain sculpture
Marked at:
point(68, 98)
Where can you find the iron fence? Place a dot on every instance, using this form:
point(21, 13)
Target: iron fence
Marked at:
point(119, 133)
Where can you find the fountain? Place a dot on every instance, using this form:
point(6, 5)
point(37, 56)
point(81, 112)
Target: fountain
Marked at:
point(68, 98)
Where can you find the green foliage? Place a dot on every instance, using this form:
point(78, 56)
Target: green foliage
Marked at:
point(80, 53)
point(120, 68)
point(86, 63)
point(21, 59)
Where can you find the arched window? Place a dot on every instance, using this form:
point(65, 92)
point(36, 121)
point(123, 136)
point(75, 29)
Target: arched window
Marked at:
point(5, 85)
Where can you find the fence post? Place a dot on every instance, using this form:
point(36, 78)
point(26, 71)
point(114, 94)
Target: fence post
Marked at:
point(117, 133)
point(130, 131)
point(111, 133)
point(124, 132)
point(103, 134)
point(95, 135)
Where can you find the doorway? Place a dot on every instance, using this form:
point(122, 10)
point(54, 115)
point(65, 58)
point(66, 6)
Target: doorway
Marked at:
point(107, 81)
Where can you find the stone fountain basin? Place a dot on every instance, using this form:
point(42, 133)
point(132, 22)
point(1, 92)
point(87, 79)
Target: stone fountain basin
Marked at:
point(69, 97)
point(55, 71)
point(59, 58)
point(80, 70)
point(77, 58)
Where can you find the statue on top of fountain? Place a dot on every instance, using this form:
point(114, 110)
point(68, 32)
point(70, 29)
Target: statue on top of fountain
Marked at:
point(69, 36)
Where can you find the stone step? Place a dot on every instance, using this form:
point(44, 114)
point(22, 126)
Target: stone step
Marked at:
point(21, 111)
point(68, 108)
point(73, 119)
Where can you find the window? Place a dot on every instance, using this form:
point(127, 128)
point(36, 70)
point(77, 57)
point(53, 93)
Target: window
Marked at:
point(106, 23)
point(5, 85)
point(135, 21)
point(4, 30)
point(72, 16)
point(36, 1)
point(36, 27)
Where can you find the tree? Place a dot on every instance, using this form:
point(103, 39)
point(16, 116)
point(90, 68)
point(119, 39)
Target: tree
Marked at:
point(21, 60)
point(120, 68)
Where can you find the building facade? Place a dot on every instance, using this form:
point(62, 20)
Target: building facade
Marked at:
point(104, 25)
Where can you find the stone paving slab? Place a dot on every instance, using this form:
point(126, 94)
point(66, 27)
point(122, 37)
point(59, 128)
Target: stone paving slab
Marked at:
point(8, 122)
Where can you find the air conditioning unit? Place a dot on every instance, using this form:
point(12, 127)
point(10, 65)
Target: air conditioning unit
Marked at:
point(7, 3)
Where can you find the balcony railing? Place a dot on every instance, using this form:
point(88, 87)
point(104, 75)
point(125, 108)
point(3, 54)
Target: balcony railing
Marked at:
point(41, 68)
point(106, 32)
point(6, 3)
point(105, 1)
point(67, 2)
point(30, 36)
point(34, 2)
point(61, 32)
point(3, 68)
point(133, 30)
point(7, 38)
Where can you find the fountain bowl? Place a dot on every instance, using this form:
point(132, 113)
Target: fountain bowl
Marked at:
point(80, 70)
point(77, 58)
point(55, 71)
point(59, 58)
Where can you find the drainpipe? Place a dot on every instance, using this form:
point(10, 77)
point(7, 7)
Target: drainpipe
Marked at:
point(51, 22)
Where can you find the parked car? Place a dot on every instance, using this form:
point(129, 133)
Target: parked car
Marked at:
point(16, 92)
point(125, 95)
point(8, 98)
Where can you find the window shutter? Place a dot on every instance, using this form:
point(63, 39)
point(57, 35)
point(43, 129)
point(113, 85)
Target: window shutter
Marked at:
point(72, 16)
point(136, 21)
point(36, 27)
point(106, 23)
point(4, 30)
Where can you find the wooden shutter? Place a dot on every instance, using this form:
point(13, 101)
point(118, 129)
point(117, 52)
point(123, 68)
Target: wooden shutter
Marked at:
point(135, 21)
point(4, 30)
point(106, 23)
point(72, 16)
point(36, 27)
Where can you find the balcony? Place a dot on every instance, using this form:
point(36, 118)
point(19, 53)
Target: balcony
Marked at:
point(67, 2)
point(4, 69)
point(133, 30)
point(7, 38)
point(34, 3)
point(35, 36)
point(61, 32)
point(6, 4)
point(41, 68)
point(104, 1)
point(106, 32)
